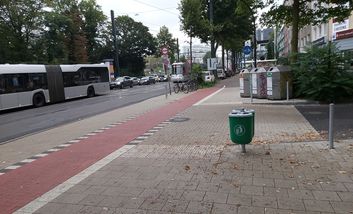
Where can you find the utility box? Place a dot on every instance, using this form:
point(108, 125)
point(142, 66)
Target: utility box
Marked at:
point(279, 83)
point(253, 82)
point(244, 82)
point(261, 82)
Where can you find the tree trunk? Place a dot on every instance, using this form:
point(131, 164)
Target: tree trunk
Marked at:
point(233, 60)
point(222, 58)
point(295, 31)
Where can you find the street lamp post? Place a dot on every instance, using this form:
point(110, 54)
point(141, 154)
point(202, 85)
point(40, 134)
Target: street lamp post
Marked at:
point(116, 54)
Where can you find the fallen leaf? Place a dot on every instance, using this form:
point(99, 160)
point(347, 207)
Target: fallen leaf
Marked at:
point(342, 172)
point(187, 168)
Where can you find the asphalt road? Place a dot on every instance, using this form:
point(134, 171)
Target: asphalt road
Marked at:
point(17, 123)
point(318, 117)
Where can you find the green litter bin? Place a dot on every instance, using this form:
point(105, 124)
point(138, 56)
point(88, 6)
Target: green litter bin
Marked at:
point(241, 126)
point(249, 111)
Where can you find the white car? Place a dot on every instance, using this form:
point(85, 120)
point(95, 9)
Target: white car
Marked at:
point(208, 76)
point(221, 74)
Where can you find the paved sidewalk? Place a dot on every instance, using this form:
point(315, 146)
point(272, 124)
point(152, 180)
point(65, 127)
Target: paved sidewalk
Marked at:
point(189, 165)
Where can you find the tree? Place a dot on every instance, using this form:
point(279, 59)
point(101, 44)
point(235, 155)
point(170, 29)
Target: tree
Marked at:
point(20, 27)
point(135, 42)
point(66, 41)
point(93, 26)
point(165, 39)
point(230, 27)
point(194, 19)
point(299, 14)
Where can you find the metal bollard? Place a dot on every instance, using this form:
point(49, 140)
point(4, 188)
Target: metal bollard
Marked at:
point(166, 91)
point(250, 88)
point(330, 129)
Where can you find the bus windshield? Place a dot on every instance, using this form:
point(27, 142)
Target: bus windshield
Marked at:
point(177, 69)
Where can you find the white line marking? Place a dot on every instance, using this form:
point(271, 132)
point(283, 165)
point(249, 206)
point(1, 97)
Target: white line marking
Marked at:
point(142, 138)
point(158, 127)
point(36, 204)
point(153, 130)
point(2, 173)
point(209, 96)
point(136, 141)
point(64, 145)
point(148, 134)
point(83, 137)
point(53, 150)
point(91, 134)
point(73, 141)
point(28, 160)
point(41, 155)
point(12, 167)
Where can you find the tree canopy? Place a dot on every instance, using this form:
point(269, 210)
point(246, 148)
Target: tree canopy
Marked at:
point(71, 31)
point(229, 26)
point(305, 12)
point(135, 42)
point(165, 39)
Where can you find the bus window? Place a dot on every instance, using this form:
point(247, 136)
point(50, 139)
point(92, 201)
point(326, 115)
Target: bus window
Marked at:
point(2, 85)
point(39, 80)
point(15, 82)
point(71, 79)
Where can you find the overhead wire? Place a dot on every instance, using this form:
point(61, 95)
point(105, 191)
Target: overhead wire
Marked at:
point(150, 5)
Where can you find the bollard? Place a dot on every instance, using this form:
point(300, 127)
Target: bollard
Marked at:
point(330, 129)
point(250, 79)
point(166, 91)
point(287, 91)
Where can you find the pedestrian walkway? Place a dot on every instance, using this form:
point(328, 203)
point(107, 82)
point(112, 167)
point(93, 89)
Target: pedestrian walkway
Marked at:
point(187, 164)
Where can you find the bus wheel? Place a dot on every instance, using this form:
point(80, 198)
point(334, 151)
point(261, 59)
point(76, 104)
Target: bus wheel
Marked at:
point(90, 92)
point(38, 100)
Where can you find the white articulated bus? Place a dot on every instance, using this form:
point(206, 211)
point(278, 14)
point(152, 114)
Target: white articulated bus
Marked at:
point(26, 85)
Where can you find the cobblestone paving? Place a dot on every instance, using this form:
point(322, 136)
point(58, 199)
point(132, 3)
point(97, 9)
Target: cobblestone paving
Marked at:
point(191, 167)
point(208, 124)
point(276, 178)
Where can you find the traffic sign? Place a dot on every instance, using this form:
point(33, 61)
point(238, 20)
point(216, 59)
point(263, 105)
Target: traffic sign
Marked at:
point(165, 51)
point(247, 50)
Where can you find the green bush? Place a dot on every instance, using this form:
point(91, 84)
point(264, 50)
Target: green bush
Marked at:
point(322, 74)
point(196, 73)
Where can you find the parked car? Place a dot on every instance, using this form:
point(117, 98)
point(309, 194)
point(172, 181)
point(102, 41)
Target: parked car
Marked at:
point(121, 82)
point(163, 78)
point(144, 81)
point(208, 76)
point(135, 80)
point(156, 77)
point(221, 74)
point(152, 80)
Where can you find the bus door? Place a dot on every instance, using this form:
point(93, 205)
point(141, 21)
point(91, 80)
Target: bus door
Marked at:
point(55, 83)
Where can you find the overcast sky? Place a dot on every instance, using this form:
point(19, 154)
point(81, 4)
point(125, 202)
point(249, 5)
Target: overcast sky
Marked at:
point(152, 13)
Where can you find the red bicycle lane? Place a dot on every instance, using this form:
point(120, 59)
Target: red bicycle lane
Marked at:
point(20, 186)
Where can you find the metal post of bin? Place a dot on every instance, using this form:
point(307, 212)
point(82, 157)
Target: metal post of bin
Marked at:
point(243, 150)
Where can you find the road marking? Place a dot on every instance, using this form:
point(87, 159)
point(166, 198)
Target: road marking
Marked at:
point(209, 96)
point(28, 160)
point(63, 187)
point(40, 155)
point(13, 167)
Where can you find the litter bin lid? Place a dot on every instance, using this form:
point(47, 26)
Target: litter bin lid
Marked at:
point(234, 111)
point(240, 114)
